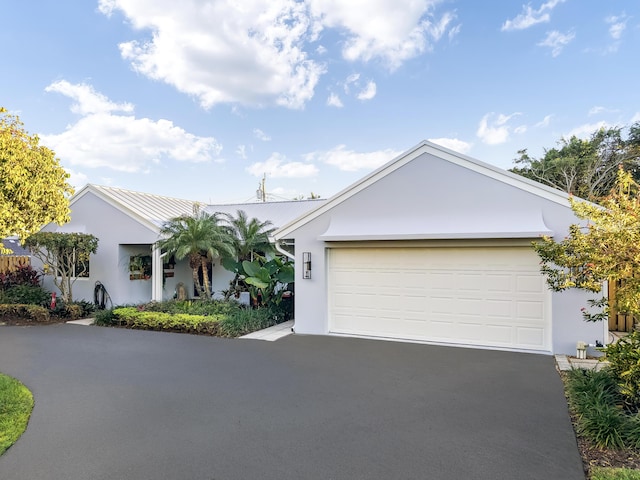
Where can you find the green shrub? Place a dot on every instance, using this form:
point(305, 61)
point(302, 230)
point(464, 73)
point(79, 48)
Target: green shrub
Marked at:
point(194, 307)
point(25, 295)
point(595, 399)
point(624, 364)
point(106, 317)
point(178, 322)
point(246, 320)
point(32, 313)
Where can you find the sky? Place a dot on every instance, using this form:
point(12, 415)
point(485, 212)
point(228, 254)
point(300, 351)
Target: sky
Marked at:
point(199, 99)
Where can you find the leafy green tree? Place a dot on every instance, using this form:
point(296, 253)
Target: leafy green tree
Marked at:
point(605, 248)
point(585, 168)
point(33, 185)
point(248, 236)
point(200, 237)
point(65, 256)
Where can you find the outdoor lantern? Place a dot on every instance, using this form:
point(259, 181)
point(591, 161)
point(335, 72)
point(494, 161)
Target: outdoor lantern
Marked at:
point(306, 265)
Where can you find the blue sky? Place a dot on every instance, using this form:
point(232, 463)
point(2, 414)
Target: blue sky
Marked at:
point(200, 99)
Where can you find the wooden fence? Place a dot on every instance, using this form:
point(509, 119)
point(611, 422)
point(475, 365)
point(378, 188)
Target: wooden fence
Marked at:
point(10, 263)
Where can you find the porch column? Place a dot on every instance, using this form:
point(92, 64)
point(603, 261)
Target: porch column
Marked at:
point(156, 278)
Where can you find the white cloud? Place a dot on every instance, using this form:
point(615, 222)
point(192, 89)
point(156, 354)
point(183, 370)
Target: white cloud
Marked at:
point(388, 30)
point(241, 151)
point(584, 131)
point(596, 110)
point(350, 161)
point(368, 92)
point(454, 144)
point(520, 129)
point(264, 52)
point(556, 41)
point(350, 80)
point(494, 130)
point(617, 25)
point(260, 135)
point(250, 53)
point(544, 122)
point(277, 166)
point(530, 16)
point(87, 99)
point(334, 101)
point(121, 142)
point(635, 118)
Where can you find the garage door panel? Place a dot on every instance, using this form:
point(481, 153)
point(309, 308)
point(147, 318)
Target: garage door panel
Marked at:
point(477, 296)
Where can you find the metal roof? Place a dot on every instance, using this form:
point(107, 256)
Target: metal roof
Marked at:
point(154, 210)
point(13, 244)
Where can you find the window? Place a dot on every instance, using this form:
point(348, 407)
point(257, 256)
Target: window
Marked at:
point(81, 268)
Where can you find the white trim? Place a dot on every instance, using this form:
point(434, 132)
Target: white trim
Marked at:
point(426, 147)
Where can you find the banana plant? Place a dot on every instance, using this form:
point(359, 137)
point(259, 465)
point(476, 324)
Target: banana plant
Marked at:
point(265, 280)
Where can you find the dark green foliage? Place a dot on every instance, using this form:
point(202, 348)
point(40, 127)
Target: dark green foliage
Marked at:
point(246, 320)
point(265, 280)
point(585, 168)
point(598, 405)
point(32, 313)
point(64, 255)
point(106, 317)
point(624, 365)
point(25, 294)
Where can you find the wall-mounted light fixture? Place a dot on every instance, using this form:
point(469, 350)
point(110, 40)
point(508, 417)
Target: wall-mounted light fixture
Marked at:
point(306, 265)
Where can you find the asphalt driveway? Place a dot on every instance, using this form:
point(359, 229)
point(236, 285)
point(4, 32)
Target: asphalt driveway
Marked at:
point(120, 404)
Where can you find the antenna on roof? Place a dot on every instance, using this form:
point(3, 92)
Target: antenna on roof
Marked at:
point(261, 193)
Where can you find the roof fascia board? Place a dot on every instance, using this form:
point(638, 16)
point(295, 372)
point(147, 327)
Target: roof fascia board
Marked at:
point(438, 151)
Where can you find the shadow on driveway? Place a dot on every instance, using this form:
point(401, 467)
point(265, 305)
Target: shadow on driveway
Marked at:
point(122, 404)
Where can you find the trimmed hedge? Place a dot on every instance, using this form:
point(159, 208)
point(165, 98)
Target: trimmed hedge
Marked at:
point(177, 322)
point(16, 311)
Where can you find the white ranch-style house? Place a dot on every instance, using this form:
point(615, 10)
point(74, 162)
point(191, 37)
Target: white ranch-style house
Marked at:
point(433, 247)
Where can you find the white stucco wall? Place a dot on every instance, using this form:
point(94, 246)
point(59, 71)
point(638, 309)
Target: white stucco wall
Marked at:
point(430, 189)
point(109, 265)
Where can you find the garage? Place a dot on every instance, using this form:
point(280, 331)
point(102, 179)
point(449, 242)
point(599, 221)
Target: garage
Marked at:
point(483, 296)
point(435, 247)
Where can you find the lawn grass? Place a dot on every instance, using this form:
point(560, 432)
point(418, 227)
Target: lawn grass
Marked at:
point(16, 403)
point(601, 473)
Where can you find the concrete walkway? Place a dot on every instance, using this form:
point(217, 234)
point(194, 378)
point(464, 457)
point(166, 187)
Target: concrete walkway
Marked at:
point(272, 334)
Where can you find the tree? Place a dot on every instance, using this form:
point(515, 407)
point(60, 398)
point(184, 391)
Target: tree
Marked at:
point(585, 168)
point(65, 256)
point(248, 236)
point(33, 186)
point(199, 237)
point(607, 248)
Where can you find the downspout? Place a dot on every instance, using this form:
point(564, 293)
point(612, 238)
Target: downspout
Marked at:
point(291, 257)
point(281, 250)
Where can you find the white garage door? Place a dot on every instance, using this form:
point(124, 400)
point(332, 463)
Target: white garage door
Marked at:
point(494, 296)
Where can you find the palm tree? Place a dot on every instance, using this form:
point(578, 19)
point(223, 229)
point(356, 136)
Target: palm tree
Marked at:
point(249, 236)
point(199, 237)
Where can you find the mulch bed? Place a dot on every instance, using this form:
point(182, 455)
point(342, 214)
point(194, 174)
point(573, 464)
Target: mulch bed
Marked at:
point(593, 456)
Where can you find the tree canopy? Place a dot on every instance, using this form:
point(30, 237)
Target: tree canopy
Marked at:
point(585, 168)
point(248, 236)
point(199, 237)
point(605, 248)
point(33, 185)
point(65, 256)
